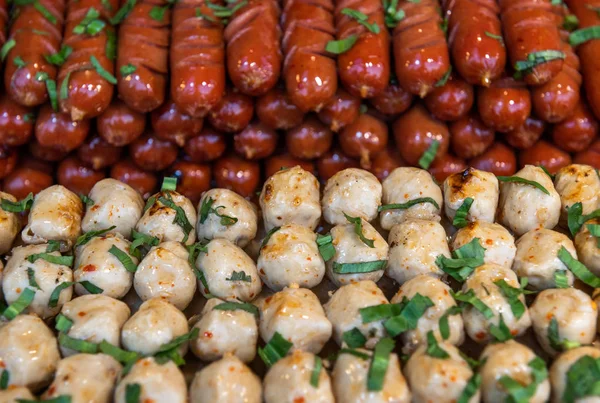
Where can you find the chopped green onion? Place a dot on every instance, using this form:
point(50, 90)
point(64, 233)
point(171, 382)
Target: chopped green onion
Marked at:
point(17, 207)
point(512, 296)
point(31, 277)
point(268, 236)
point(358, 230)
point(594, 230)
point(408, 204)
point(578, 268)
point(543, 168)
point(433, 348)
point(133, 392)
point(4, 379)
point(199, 14)
point(63, 324)
point(111, 44)
point(180, 216)
point(29, 117)
point(58, 399)
point(234, 306)
point(326, 248)
point(106, 5)
point(127, 70)
point(53, 301)
point(356, 353)
point(86, 200)
point(501, 332)
point(460, 219)
point(362, 19)
point(554, 338)
point(239, 276)
point(59, 57)
point(274, 350)
point(408, 319)
point(169, 184)
point(141, 241)
point(123, 12)
point(90, 287)
point(64, 87)
point(8, 45)
point(314, 377)
point(85, 238)
point(158, 13)
point(444, 325)
point(583, 35)
point(378, 312)
point(582, 380)
point(470, 298)
point(123, 356)
point(576, 218)
point(470, 389)
point(124, 258)
point(571, 22)
point(178, 341)
point(82, 346)
point(519, 393)
point(534, 59)
point(444, 26)
point(496, 37)
point(207, 208)
point(379, 364)
point(25, 299)
point(53, 246)
point(464, 260)
point(45, 12)
point(101, 71)
point(90, 24)
point(50, 87)
point(19, 62)
point(354, 338)
point(442, 81)
point(560, 279)
point(429, 155)
point(473, 363)
point(341, 46)
point(518, 179)
point(61, 260)
point(361, 267)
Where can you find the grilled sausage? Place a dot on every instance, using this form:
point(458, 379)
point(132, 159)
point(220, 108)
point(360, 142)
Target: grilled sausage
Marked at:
point(363, 138)
point(88, 91)
point(3, 21)
point(310, 139)
point(276, 110)
point(119, 125)
point(143, 49)
point(544, 154)
point(207, 146)
point(8, 161)
point(498, 159)
point(340, 111)
point(76, 176)
point(591, 156)
point(152, 154)
point(233, 112)
point(333, 162)
point(393, 100)
point(98, 154)
point(576, 132)
point(525, 136)
point(385, 162)
point(143, 182)
point(16, 122)
point(364, 68)
point(27, 67)
point(49, 154)
point(309, 71)
point(256, 141)
point(504, 105)
point(450, 101)
point(475, 40)
point(57, 131)
point(24, 180)
point(197, 58)
point(170, 124)
point(253, 52)
point(192, 179)
point(237, 174)
point(275, 163)
point(445, 166)
point(420, 49)
point(469, 136)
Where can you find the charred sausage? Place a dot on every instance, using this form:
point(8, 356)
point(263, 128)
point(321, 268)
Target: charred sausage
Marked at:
point(119, 125)
point(276, 110)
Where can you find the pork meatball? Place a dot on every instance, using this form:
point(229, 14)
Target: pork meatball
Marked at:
point(407, 184)
point(156, 322)
point(291, 196)
point(354, 192)
point(15, 393)
point(414, 248)
point(499, 244)
point(350, 381)
point(483, 284)
point(9, 225)
point(225, 331)
point(560, 368)
point(478, 185)
point(569, 311)
point(28, 351)
point(19, 273)
point(229, 272)
point(577, 183)
point(288, 381)
point(587, 247)
point(298, 316)
point(54, 216)
point(223, 213)
point(351, 250)
point(86, 378)
point(440, 380)
point(537, 257)
point(114, 203)
point(171, 217)
point(343, 310)
point(439, 294)
point(157, 382)
point(166, 273)
point(95, 318)
point(291, 256)
point(94, 263)
point(523, 207)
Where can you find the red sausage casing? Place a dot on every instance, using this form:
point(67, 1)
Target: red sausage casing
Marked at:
point(385, 162)
point(276, 110)
point(450, 101)
point(56, 131)
point(8, 161)
point(143, 181)
point(499, 159)
point(576, 132)
point(152, 154)
point(505, 105)
point(363, 138)
point(310, 139)
point(527, 134)
point(192, 179)
point(544, 154)
point(76, 176)
point(393, 100)
point(233, 112)
point(332, 162)
point(341, 110)
point(470, 137)
point(237, 174)
point(25, 179)
point(591, 156)
point(171, 124)
point(3, 21)
point(16, 122)
point(119, 125)
point(276, 162)
point(207, 146)
point(98, 154)
point(256, 141)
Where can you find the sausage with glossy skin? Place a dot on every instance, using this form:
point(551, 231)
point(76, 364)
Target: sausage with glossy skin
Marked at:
point(544, 154)
point(8, 161)
point(207, 146)
point(365, 68)
point(152, 154)
point(420, 49)
point(49, 154)
point(256, 141)
point(3, 21)
point(171, 124)
point(469, 136)
point(237, 174)
point(192, 179)
point(475, 39)
point(253, 51)
point(385, 162)
point(340, 111)
point(275, 163)
point(24, 180)
point(73, 174)
point(333, 162)
point(16, 122)
point(444, 166)
point(363, 138)
point(276, 110)
point(98, 154)
point(576, 132)
point(233, 112)
point(57, 131)
point(309, 71)
point(525, 136)
point(144, 44)
point(450, 101)
point(529, 27)
point(591, 156)
point(197, 58)
point(28, 58)
point(143, 181)
point(88, 92)
point(311, 139)
point(393, 100)
point(498, 159)
point(119, 125)
point(505, 105)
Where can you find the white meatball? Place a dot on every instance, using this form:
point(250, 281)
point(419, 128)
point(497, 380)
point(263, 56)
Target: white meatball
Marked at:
point(406, 184)
point(414, 247)
point(573, 310)
point(482, 283)
point(350, 381)
point(230, 204)
point(353, 191)
point(343, 310)
point(481, 186)
point(159, 220)
point(226, 381)
point(95, 318)
point(439, 380)
point(222, 332)
point(439, 294)
point(577, 183)
point(14, 394)
point(291, 256)
point(537, 257)
point(9, 225)
point(218, 265)
point(115, 203)
point(587, 247)
point(499, 244)
point(524, 207)
point(86, 378)
point(94, 263)
point(561, 366)
point(298, 316)
point(349, 248)
point(166, 273)
point(28, 351)
point(509, 359)
point(158, 382)
point(291, 196)
point(47, 276)
point(289, 381)
point(54, 216)
point(157, 322)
